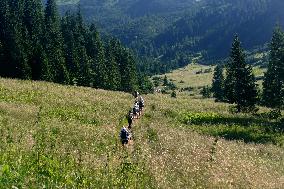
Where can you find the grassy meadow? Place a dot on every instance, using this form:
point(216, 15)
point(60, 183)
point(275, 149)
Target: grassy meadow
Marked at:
point(54, 136)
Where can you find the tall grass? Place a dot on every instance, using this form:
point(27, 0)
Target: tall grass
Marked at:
point(54, 136)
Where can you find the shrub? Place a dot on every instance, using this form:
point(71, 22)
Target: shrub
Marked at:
point(171, 86)
point(189, 89)
point(200, 118)
point(206, 92)
point(173, 94)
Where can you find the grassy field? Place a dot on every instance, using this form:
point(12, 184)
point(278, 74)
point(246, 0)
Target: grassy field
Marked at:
point(67, 2)
point(198, 76)
point(54, 136)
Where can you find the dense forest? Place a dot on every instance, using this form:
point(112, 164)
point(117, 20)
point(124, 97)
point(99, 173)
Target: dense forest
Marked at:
point(166, 34)
point(36, 43)
point(162, 35)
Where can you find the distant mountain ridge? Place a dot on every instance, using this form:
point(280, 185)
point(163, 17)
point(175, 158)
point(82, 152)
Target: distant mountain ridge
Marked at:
point(171, 29)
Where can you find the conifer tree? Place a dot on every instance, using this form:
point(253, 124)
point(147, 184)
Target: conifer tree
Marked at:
point(33, 20)
point(273, 81)
point(218, 83)
point(71, 56)
point(13, 35)
point(145, 85)
point(3, 26)
point(95, 50)
point(1, 54)
point(54, 44)
point(165, 81)
point(77, 61)
point(129, 80)
point(240, 87)
point(80, 34)
point(114, 77)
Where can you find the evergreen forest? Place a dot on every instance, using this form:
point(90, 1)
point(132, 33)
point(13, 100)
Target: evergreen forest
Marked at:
point(37, 43)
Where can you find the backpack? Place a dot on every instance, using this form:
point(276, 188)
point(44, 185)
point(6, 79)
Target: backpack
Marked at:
point(124, 134)
point(129, 118)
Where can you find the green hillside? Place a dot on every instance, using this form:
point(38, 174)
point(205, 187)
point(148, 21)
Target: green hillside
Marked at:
point(55, 136)
point(167, 34)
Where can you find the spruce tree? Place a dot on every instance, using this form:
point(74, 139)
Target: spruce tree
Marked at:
point(3, 8)
point(95, 50)
point(114, 77)
point(13, 37)
point(273, 81)
point(129, 80)
point(71, 56)
point(218, 83)
point(80, 34)
point(54, 44)
point(240, 87)
point(33, 20)
point(145, 85)
point(165, 81)
point(77, 61)
point(1, 54)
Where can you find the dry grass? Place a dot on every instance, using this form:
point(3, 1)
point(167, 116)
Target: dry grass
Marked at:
point(67, 137)
point(190, 78)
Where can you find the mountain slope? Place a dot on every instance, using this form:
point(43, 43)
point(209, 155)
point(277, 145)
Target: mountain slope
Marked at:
point(211, 29)
point(67, 137)
point(168, 34)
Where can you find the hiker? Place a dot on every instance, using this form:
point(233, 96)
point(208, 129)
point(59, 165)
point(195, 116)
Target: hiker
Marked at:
point(136, 107)
point(135, 113)
point(124, 136)
point(130, 119)
point(136, 94)
point(141, 104)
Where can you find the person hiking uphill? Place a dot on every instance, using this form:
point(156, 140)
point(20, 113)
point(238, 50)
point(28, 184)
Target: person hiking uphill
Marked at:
point(141, 104)
point(124, 136)
point(136, 94)
point(130, 119)
point(136, 110)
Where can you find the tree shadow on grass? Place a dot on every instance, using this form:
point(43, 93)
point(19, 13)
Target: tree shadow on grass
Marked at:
point(248, 135)
point(247, 129)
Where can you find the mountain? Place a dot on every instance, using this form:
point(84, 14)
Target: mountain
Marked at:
point(174, 31)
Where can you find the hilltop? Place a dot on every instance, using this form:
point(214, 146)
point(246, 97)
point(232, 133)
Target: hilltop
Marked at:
point(67, 136)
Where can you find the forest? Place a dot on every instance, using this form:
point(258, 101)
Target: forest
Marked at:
point(37, 43)
point(168, 34)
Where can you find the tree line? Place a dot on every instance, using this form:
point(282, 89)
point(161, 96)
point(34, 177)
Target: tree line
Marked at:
point(235, 82)
point(37, 43)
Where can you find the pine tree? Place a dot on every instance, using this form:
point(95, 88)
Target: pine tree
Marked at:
point(77, 61)
point(85, 63)
point(145, 85)
point(33, 20)
point(54, 44)
point(165, 81)
point(1, 54)
point(3, 14)
point(218, 83)
point(273, 81)
point(114, 77)
point(129, 80)
point(95, 50)
point(13, 36)
point(240, 87)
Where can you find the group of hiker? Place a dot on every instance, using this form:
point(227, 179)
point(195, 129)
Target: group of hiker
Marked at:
point(134, 113)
